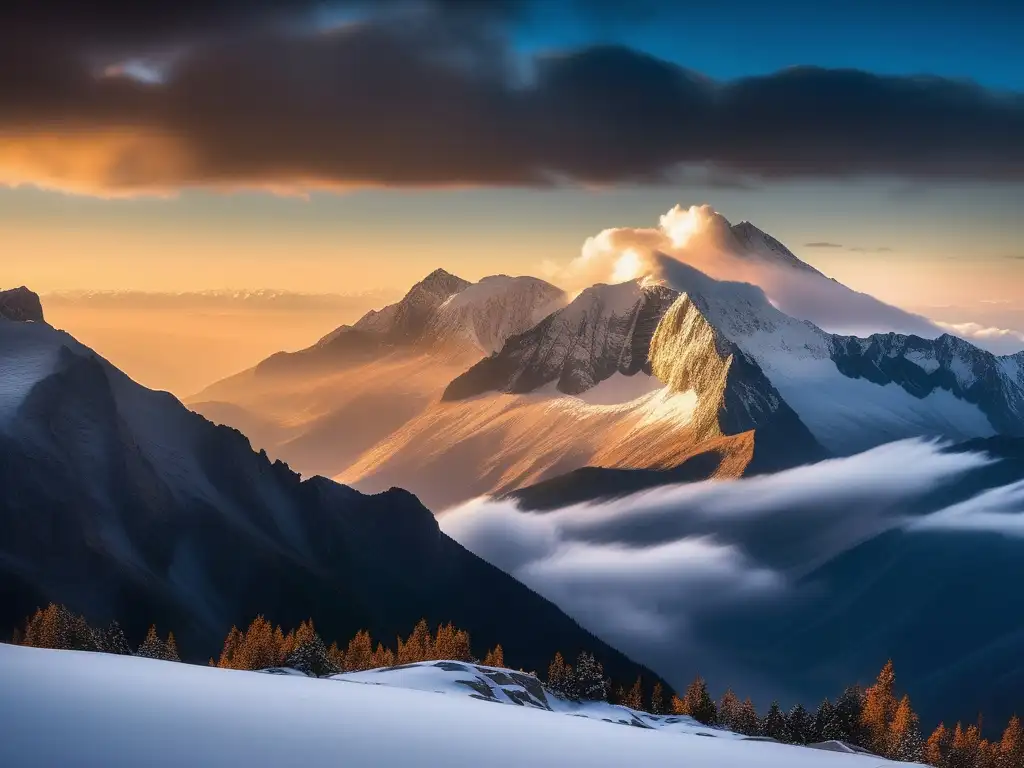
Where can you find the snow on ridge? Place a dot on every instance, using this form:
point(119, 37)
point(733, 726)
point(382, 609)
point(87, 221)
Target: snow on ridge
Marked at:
point(124, 711)
point(510, 687)
point(488, 312)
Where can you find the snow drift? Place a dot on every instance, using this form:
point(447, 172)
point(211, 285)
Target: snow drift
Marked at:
point(117, 711)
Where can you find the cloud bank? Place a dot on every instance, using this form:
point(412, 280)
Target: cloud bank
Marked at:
point(118, 101)
point(646, 570)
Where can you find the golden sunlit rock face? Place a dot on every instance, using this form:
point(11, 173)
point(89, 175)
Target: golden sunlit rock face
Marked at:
point(496, 442)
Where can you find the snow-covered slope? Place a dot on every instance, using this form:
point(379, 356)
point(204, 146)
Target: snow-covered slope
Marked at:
point(755, 242)
point(485, 314)
point(118, 711)
point(445, 312)
point(857, 393)
point(748, 361)
point(507, 686)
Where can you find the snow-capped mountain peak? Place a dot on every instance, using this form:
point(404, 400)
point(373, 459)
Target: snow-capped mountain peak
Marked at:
point(751, 364)
point(486, 313)
point(757, 242)
point(606, 328)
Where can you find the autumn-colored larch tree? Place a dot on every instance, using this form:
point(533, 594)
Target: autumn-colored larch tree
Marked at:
point(495, 657)
point(878, 709)
point(699, 704)
point(418, 647)
point(337, 656)
point(677, 705)
point(231, 645)
point(260, 647)
point(634, 697)
point(904, 741)
point(937, 747)
point(152, 647)
point(171, 648)
point(359, 653)
point(382, 657)
point(1011, 746)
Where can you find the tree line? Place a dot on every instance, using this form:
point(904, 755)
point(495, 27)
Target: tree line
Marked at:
point(873, 718)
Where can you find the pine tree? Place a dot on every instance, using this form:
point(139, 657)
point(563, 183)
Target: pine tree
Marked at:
point(774, 724)
point(495, 657)
point(558, 674)
point(359, 653)
point(964, 750)
point(1011, 746)
point(588, 679)
point(657, 700)
point(728, 710)
point(699, 704)
point(634, 697)
point(114, 640)
point(845, 722)
point(936, 749)
point(81, 636)
point(821, 718)
point(747, 722)
point(800, 725)
point(904, 740)
point(311, 656)
point(878, 710)
point(152, 647)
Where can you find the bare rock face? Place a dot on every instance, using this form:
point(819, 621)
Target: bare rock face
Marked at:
point(21, 305)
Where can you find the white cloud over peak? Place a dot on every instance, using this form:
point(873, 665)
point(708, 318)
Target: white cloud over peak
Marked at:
point(704, 239)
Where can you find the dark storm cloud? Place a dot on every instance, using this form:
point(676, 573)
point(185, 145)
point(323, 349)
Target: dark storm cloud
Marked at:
point(441, 101)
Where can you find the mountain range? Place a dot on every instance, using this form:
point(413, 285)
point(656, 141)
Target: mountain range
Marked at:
point(471, 388)
point(121, 503)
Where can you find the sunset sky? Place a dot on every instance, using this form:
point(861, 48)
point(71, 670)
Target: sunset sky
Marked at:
point(343, 147)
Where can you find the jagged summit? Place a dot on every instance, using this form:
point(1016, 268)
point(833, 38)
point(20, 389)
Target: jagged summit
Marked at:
point(604, 330)
point(442, 313)
point(21, 305)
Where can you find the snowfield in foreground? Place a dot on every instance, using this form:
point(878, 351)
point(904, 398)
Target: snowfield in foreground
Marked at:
point(64, 708)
